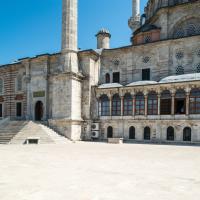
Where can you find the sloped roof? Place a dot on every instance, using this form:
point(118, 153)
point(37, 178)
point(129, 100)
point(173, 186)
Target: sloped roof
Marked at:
point(110, 85)
point(181, 78)
point(137, 83)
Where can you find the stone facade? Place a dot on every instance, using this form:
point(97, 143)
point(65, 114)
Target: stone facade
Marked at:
point(66, 89)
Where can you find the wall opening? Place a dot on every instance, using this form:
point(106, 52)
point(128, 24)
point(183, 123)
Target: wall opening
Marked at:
point(38, 111)
point(110, 132)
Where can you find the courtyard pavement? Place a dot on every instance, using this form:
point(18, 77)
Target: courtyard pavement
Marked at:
point(99, 171)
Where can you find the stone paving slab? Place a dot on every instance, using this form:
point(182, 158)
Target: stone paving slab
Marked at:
point(99, 171)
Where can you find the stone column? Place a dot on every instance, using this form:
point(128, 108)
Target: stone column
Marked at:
point(173, 103)
point(133, 105)
point(69, 35)
point(187, 103)
point(122, 105)
point(159, 104)
point(110, 105)
point(146, 104)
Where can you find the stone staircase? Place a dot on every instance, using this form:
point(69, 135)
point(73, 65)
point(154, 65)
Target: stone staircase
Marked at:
point(9, 130)
point(17, 132)
point(57, 138)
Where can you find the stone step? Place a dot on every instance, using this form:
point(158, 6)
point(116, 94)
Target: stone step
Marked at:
point(55, 136)
point(17, 132)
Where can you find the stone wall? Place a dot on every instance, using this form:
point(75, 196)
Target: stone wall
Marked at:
point(158, 129)
point(162, 58)
point(10, 95)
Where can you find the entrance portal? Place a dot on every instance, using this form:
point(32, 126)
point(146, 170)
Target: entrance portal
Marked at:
point(38, 111)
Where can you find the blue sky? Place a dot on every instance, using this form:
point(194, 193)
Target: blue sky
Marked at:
point(32, 27)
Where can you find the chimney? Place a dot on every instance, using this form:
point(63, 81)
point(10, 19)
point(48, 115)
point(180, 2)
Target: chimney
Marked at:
point(103, 39)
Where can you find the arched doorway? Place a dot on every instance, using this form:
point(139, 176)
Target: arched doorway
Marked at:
point(170, 133)
point(187, 134)
point(110, 132)
point(147, 133)
point(38, 111)
point(132, 133)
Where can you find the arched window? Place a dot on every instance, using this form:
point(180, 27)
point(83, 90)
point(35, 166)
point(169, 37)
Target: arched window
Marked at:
point(147, 133)
point(170, 133)
point(132, 133)
point(139, 104)
point(195, 101)
point(187, 134)
point(107, 78)
point(110, 132)
point(165, 103)
point(128, 105)
point(180, 102)
point(104, 108)
point(19, 83)
point(1, 86)
point(152, 103)
point(116, 105)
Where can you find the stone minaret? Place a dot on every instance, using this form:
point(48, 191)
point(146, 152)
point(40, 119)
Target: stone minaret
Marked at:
point(67, 83)
point(69, 35)
point(134, 21)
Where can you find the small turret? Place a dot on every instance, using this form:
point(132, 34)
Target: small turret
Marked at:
point(103, 39)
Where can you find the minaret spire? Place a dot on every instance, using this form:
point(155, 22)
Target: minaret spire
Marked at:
point(134, 21)
point(70, 35)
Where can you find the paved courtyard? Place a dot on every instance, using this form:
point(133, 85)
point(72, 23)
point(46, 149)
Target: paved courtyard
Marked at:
point(98, 171)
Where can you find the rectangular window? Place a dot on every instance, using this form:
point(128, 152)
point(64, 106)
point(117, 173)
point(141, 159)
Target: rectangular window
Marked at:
point(146, 74)
point(19, 109)
point(140, 107)
point(194, 105)
point(180, 106)
point(1, 110)
point(116, 77)
point(152, 107)
point(105, 108)
point(165, 106)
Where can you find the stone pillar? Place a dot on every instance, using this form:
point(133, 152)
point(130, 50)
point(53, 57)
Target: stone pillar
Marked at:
point(173, 103)
point(146, 104)
point(187, 103)
point(110, 105)
point(159, 104)
point(122, 105)
point(133, 105)
point(69, 35)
